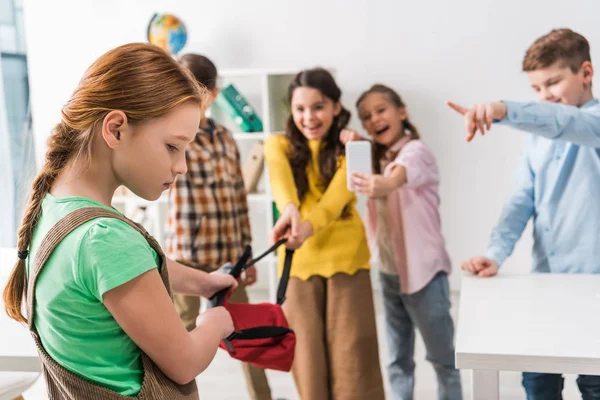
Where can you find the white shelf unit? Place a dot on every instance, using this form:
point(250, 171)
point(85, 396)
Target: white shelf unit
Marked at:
point(251, 136)
point(266, 91)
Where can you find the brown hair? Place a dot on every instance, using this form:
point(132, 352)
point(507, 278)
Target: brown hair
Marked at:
point(331, 147)
point(394, 98)
point(139, 79)
point(202, 68)
point(560, 45)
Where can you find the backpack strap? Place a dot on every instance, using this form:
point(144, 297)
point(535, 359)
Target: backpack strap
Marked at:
point(265, 253)
point(287, 266)
point(259, 332)
point(60, 230)
point(218, 298)
point(285, 276)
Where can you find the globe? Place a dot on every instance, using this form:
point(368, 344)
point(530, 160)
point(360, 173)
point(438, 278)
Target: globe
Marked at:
point(167, 32)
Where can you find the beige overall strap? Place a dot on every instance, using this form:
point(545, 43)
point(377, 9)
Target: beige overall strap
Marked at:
point(60, 230)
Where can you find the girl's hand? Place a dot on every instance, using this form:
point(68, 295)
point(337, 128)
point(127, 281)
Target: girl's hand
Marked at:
point(348, 135)
point(287, 224)
point(249, 277)
point(372, 185)
point(305, 230)
point(217, 281)
point(219, 317)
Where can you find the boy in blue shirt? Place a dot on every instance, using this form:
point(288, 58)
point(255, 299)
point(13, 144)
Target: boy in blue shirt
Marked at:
point(558, 181)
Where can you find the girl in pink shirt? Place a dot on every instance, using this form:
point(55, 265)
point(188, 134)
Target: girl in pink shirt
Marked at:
point(404, 232)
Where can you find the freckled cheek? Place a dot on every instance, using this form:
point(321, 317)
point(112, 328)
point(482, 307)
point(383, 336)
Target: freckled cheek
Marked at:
point(145, 159)
point(153, 158)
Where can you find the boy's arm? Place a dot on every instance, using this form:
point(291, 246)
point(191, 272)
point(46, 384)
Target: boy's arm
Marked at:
point(551, 120)
point(556, 121)
point(516, 212)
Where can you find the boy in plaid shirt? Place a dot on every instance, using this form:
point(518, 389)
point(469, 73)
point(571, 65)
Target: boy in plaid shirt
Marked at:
point(208, 221)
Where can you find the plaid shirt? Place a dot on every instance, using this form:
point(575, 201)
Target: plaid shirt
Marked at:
point(208, 222)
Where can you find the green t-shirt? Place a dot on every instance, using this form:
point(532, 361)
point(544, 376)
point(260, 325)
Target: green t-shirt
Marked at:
point(75, 327)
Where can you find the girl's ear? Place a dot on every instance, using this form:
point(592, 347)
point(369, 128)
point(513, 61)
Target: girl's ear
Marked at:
point(113, 123)
point(402, 113)
point(337, 108)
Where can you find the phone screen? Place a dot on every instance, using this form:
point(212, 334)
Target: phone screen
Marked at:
point(358, 159)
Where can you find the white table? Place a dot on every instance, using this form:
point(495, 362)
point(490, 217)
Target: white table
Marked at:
point(533, 323)
point(17, 348)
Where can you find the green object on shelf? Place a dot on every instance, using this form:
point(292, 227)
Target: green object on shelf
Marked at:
point(226, 106)
point(238, 109)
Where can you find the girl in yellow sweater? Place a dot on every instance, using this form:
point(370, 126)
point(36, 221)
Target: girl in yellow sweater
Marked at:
point(329, 299)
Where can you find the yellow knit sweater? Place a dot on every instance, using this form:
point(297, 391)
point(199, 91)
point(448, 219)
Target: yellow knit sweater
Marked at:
point(337, 245)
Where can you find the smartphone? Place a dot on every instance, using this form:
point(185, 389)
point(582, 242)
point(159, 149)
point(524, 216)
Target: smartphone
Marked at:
point(358, 159)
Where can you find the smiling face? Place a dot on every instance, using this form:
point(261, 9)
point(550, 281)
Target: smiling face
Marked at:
point(312, 112)
point(558, 84)
point(381, 118)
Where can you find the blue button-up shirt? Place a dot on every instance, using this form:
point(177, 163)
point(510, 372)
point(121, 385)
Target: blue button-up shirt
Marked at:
point(558, 184)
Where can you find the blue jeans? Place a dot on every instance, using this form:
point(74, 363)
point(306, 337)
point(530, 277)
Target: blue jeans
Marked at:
point(428, 310)
point(549, 386)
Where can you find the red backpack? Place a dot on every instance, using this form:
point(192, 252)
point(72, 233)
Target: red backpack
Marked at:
point(262, 336)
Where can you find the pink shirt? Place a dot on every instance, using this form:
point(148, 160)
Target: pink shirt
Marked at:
point(414, 208)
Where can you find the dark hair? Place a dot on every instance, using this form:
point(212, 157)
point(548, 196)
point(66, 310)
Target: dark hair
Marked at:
point(562, 45)
point(331, 148)
point(394, 98)
point(202, 68)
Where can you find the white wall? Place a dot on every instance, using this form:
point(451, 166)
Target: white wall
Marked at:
point(430, 51)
